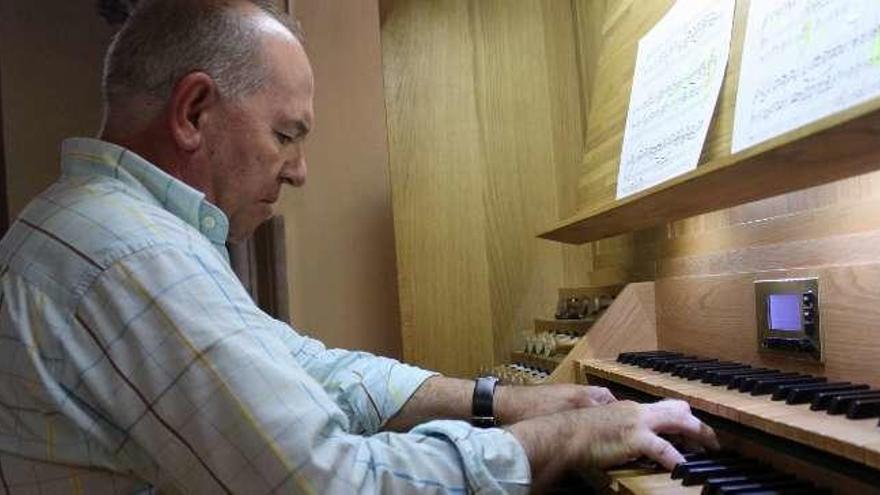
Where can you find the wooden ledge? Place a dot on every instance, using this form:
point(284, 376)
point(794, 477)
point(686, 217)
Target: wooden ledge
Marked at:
point(836, 147)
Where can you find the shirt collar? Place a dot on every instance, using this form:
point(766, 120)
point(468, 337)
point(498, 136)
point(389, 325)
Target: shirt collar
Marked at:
point(86, 156)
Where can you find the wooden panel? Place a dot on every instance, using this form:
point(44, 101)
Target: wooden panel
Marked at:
point(437, 185)
point(628, 325)
point(851, 439)
point(483, 113)
point(705, 296)
point(589, 17)
point(715, 316)
point(525, 92)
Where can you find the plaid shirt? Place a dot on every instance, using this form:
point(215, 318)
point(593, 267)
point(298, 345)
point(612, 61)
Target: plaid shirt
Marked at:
point(133, 360)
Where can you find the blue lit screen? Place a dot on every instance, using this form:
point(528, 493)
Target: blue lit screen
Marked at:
point(784, 312)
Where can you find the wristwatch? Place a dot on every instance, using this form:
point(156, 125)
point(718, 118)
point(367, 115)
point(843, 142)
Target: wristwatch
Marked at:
point(482, 412)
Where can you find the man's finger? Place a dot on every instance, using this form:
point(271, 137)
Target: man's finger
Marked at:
point(661, 451)
point(600, 395)
point(674, 417)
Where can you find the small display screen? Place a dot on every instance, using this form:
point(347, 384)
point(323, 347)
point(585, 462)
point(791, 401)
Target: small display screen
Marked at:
point(785, 312)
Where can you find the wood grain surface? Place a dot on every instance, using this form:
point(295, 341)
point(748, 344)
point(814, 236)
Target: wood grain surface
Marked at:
point(629, 324)
point(483, 112)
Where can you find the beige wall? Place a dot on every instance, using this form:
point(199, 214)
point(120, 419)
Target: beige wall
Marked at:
point(340, 245)
point(51, 53)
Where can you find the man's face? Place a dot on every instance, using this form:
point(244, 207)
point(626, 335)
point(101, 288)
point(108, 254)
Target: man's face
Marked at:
point(256, 145)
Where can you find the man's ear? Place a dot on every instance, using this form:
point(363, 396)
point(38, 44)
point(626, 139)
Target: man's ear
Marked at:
point(192, 96)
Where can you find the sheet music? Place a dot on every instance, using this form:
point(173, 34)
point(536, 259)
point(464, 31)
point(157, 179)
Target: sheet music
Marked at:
point(679, 69)
point(804, 60)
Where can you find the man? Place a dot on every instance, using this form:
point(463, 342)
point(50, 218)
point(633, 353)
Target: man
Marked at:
point(134, 360)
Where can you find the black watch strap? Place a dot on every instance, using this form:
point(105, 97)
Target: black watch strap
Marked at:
point(482, 411)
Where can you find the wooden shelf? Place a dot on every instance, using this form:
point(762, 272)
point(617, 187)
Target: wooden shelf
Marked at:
point(546, 363)
point(578, 327)
point(840, 146)
point(857, 440)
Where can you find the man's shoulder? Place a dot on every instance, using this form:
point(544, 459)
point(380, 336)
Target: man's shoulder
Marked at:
point(80, 226)
point(104, 214)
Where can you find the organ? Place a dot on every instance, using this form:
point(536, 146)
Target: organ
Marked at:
point(757, 301)
point(786, 424)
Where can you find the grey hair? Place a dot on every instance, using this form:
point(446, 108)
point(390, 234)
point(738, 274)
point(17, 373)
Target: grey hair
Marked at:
point(164, 40)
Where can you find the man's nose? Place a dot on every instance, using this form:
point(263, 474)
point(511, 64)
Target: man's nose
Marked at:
point(294, 172)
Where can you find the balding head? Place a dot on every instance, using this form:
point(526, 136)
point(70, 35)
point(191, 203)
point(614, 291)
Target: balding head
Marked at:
point(163, 40)
point(218, 94)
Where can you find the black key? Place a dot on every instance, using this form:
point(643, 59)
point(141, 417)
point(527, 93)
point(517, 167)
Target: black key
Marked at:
point(782, 392)
point(768, 487)
point(648, 362)
point(723, 377)
point(746, 384)
point(645, 361)
point(640, 361)
point(840, 403)
point(683, 468)
point(739, 381)
point(703, 456)
point(806, 489)
point(696, 456)
point(713, 485)
point(736, 380)
point(771, 386)
point(697, 476)
point(627, 357)
point(822, 400)
point(712, 375)
point(699, 373)
point(806, 393)
point(863, 408)
point(682, 368)
point(670, 363)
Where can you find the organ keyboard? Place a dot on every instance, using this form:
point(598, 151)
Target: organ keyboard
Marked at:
point(794, 432)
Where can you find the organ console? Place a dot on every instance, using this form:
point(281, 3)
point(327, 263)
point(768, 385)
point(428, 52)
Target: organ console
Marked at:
point(782, 430)
point(787, 422)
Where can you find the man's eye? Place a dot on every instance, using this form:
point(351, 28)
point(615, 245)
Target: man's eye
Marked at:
point(283, 138)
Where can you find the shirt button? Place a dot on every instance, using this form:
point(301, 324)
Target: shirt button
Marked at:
point(208, 223)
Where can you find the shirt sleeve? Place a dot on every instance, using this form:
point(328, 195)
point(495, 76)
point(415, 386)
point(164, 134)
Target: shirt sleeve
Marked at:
point(369, 389)
point(199, 391)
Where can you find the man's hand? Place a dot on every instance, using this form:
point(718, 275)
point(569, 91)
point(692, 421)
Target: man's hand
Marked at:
point(602, 437)
point(514, 404)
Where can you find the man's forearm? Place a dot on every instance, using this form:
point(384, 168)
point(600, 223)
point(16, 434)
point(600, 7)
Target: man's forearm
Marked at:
point(441, 397)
